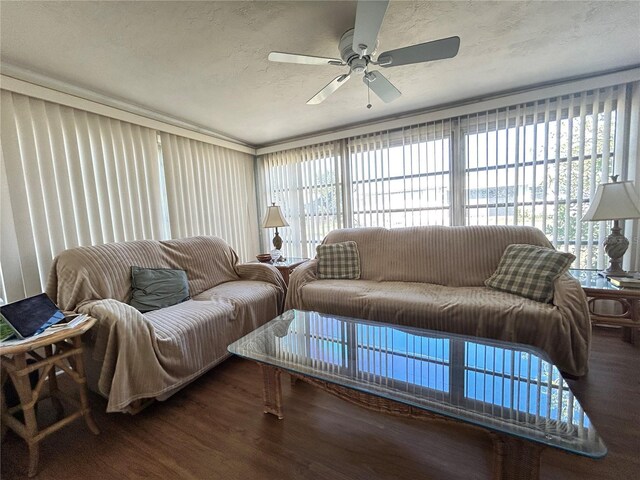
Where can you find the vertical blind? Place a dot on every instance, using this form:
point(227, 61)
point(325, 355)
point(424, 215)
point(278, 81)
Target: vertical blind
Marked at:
point(401, 178)
point(70, 178)
point(632, 227)
point(540, 164)
point(534, 164)
point(307, 184)
point(210, 191)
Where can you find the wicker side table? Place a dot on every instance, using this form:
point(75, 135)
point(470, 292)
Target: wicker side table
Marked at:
point(285, 268)
point(598, 288)
point(62, 350)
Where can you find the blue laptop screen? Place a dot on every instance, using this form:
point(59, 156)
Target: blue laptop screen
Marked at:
point(31, 315)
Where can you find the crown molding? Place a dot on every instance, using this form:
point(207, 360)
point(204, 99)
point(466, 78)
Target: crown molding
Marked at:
point(34, 84)
point(463, 107)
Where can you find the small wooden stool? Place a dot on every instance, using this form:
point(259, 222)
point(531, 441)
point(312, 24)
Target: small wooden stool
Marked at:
point(63, 350)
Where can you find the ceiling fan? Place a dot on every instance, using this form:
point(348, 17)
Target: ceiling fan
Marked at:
point(359, 44)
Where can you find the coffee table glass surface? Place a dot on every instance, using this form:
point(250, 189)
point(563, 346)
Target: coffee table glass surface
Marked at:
point(500, 386)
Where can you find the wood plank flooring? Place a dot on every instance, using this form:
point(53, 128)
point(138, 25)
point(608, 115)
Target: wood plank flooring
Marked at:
point(215, 429)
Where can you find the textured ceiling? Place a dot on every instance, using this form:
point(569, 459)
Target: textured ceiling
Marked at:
point(206, 62)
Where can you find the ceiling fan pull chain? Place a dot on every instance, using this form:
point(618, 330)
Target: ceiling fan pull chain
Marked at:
point(368, 95)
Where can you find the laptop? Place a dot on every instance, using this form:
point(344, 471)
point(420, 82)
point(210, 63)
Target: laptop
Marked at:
point(31, 316)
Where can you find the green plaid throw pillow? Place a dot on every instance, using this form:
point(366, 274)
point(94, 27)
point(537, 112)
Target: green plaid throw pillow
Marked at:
point(339, 261)
point(529, 271)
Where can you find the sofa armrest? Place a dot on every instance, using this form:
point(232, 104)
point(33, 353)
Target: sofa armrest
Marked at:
point(111, 314)
point(305, 273)
point(121, 337)
point(261, 272)
point(110, 310)
point(570, 299)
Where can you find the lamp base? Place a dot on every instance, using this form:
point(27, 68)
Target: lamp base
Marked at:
point(277, 241)
point(615, 245)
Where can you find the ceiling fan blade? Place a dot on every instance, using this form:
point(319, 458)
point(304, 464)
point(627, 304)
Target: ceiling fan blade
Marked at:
point(303, 59)
point(369, 16)
point(382, 87)
point(331, 87)
point(423, 52)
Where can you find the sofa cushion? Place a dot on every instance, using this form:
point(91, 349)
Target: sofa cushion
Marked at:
point(530, 271)
point(339, 261)
point(154, 288)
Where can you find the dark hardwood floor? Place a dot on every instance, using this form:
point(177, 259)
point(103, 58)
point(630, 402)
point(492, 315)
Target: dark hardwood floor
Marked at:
point(215, 429)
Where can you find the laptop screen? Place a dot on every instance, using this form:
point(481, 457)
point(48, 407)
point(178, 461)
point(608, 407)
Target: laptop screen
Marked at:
point(31, 315)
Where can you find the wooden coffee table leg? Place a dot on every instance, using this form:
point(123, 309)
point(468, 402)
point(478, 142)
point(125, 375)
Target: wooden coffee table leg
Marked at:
point(272, 391)
point(515, 459)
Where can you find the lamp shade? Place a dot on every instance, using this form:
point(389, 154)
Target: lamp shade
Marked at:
point(614, 201)
point(274, 218)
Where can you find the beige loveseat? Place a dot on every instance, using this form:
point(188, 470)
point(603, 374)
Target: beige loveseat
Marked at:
point(433, 277)
point(135, 356)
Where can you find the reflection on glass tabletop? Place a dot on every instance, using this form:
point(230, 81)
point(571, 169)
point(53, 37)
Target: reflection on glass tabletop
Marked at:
point(506, 387)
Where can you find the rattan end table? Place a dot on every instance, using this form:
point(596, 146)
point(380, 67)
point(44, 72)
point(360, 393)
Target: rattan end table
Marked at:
point(598, 288)
point(63, 350)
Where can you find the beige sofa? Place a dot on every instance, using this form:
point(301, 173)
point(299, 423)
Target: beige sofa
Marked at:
point(135, 356)
point(433, 277)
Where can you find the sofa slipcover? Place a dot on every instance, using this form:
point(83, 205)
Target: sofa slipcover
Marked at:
point(433, 278)
point(152, 355)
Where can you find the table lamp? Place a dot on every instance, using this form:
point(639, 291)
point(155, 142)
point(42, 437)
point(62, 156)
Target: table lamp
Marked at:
point(274, 219)
point(614, 201)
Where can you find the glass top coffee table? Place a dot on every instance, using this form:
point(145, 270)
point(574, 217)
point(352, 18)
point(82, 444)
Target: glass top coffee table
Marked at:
point(510, 390)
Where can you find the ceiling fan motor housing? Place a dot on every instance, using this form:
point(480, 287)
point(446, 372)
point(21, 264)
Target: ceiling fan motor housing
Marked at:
point(358, 65)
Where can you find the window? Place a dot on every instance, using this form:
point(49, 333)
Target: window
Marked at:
point(307, 185)
point(536, 164)
point(402, 178)
point(539, 165)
